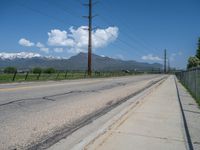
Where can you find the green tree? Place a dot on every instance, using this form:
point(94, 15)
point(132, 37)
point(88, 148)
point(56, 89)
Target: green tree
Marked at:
point(193, 61)
point(49, 70)
point(10, 70)
point(37, 70)
point(198, 50)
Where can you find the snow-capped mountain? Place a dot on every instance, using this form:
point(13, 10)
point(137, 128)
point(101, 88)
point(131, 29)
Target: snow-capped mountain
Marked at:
point(25, 55)
point(26, 61)
point(20, 55)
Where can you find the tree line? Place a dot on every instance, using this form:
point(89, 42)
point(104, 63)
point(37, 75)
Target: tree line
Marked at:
point(35, 70)
point(194, 61)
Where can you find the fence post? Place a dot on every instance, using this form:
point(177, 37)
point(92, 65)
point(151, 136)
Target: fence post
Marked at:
point(26, 75)
point(13, 79)
point(57, 75)
point(65, 74)
point(72, 74)
point(38, 77)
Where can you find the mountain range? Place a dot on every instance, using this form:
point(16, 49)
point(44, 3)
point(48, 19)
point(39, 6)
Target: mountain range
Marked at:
point(25, 61)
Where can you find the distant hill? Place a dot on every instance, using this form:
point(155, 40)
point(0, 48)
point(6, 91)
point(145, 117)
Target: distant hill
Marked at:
point(77, 62)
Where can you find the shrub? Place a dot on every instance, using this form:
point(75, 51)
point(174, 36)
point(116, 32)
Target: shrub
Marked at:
point(10, 70)
point(193, 62)
point(49, 70)
point(37, 70)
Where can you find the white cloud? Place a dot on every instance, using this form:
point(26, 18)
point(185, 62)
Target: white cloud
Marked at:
point(45, 49)
point(102, 37)
point(77, 39)
point(58, 50)
point(119, 56)
point(25, 42)
point(59, 38)
point(42, 47)
point(150, 57)
point(18, 55)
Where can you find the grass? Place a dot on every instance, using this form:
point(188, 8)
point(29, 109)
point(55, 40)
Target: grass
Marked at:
point(20, 77)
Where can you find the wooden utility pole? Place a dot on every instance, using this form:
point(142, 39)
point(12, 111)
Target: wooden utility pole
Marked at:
point(90, 39)
point(90, 17)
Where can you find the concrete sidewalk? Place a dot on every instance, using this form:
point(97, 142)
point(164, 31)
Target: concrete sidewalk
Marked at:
point(155, 124)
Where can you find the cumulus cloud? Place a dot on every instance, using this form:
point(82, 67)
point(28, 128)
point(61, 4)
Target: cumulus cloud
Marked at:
point(42, 47)
point(150, 57)
point(76, 39)
point(59, 38)
point(58, 50)
point(102, 37)
point(25, 42)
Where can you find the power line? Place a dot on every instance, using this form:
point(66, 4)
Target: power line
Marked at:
point(42, 13)
point(67, 10)
point(131, 36)
point(128, 37)
point(125, 43)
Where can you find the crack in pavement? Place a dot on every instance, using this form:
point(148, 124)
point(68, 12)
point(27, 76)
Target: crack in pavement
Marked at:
point(50, 97)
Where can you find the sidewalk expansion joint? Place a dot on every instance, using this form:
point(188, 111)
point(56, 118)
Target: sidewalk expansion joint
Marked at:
point(147, 136)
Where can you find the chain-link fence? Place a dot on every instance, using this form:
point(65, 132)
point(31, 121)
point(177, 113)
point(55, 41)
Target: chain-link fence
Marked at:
point(191, 80)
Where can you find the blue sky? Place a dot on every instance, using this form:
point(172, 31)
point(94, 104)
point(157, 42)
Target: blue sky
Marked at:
point(138, 29)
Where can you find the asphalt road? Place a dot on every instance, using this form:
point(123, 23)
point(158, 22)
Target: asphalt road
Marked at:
point(34, 112)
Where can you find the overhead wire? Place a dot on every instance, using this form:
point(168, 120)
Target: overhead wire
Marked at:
point(140, 42)
point(41, 12)
point(63, 8)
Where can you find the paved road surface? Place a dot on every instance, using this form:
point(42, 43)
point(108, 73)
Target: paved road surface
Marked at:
point(32, 112)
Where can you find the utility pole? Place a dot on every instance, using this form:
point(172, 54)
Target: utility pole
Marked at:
point(165, 61)
point(89, 17)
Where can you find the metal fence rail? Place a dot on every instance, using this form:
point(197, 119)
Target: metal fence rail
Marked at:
point(191, 80)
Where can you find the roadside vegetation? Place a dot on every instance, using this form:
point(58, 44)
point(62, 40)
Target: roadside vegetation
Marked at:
point(194, 61)
point(11, 74)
